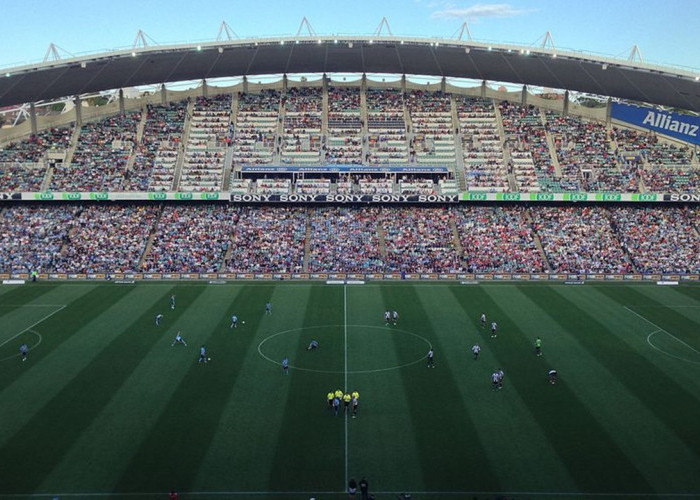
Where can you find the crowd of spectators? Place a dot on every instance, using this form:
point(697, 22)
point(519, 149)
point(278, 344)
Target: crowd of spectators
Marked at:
point(345, 240)
point(31, 237)
point(303, 121)
point(433, 139)
point(212, 238)
point(419, 240)
point(660, 239)
point(526, 139)
point(255, 130)
point(156, 155)
point(387, 138)
point(106, 238)
point(498, 239)
point(581, 240)
point(101, 155)
point(210, 132)
point(190, 238)
point(267, 240)
point(482, 152)
point(344, 144)
point(586, 159)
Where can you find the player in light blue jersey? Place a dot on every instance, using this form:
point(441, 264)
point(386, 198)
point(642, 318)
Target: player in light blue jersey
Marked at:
point(159, 317)
point(172, 301)
point(179, 340)
point(203, 355)
point(268, 308)
point(285, 366)
point(312, 345)
point(234, 321)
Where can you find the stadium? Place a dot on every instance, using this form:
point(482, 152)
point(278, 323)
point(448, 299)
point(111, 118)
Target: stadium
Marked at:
point(540, 203)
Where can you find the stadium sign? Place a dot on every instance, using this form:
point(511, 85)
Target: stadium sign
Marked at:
point(344, 198)
point(683, 127)
point(679, 197)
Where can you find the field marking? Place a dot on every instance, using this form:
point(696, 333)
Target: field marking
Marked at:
point(16, 355)
point(376, 370)
point(60, 308)
point(534, 494)
point(662, 330)
point(667, 353)
point(345, 369)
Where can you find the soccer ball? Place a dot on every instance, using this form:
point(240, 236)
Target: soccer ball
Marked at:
point(208, 359)
point(243, 322)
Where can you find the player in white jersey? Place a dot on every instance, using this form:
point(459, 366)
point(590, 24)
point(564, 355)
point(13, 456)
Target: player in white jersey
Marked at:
point(552, 374)
point(500, 378)
point(483, 320)
point(395, 317)
point(387, 316)
point(179, 340)
point(234, 321)
point(159, 317)
point(172, 301)
point(431, 358)
point(494, 381)
point(494, 329)
point(476, 350)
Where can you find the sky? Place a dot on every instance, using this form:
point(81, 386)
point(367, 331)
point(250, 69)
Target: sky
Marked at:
point(666, 31)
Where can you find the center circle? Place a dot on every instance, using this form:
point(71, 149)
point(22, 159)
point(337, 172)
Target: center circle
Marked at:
point(365, 345)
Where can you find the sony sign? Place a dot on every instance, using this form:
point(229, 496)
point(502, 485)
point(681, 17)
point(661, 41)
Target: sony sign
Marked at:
point(343, 198)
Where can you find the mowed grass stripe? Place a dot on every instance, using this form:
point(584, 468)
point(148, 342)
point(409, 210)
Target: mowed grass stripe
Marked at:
point(572, 430)
point(40, 444)
point(242, 455)
point(27, 387)
point(321, 463)
point(171, 453)
point(670, 401)
point(651, 447)
point(661, 393)
point(382, 445)
point(510, 435)
point(454, 456)
point(136, 406)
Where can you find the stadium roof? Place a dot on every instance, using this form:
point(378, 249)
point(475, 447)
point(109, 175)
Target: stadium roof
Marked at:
point(361, 54)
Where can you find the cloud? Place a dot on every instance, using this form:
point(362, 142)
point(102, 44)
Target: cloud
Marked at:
point(477, 11)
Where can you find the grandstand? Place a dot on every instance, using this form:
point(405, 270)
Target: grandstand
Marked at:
point(374, 194)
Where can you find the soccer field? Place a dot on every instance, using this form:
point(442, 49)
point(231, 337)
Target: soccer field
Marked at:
point(106, 407)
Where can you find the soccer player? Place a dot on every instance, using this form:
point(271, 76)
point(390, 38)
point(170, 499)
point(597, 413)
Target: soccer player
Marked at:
point(203, 355)
point(346, 402)
point(483, 320)
point(552, 376)
point(395, 317)
point(500, 378)
point(431, 358)
point(172, 301)
point(336, 405)
point(494, 381)
point(179, 340)
point(285, 366)
point(387, 317)
point(234, 321)
point(476, 349)
point(538, 346)
point(312, 345)
point(338, 394)
point(355, 401)
point(24, 350)
point(330, 396)
point(494, 329)
point(268, 308)
point(159, 317)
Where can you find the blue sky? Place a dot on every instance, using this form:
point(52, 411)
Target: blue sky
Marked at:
point(666, 31)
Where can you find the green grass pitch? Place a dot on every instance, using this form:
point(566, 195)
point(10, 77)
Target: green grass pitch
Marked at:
point(106, 407)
